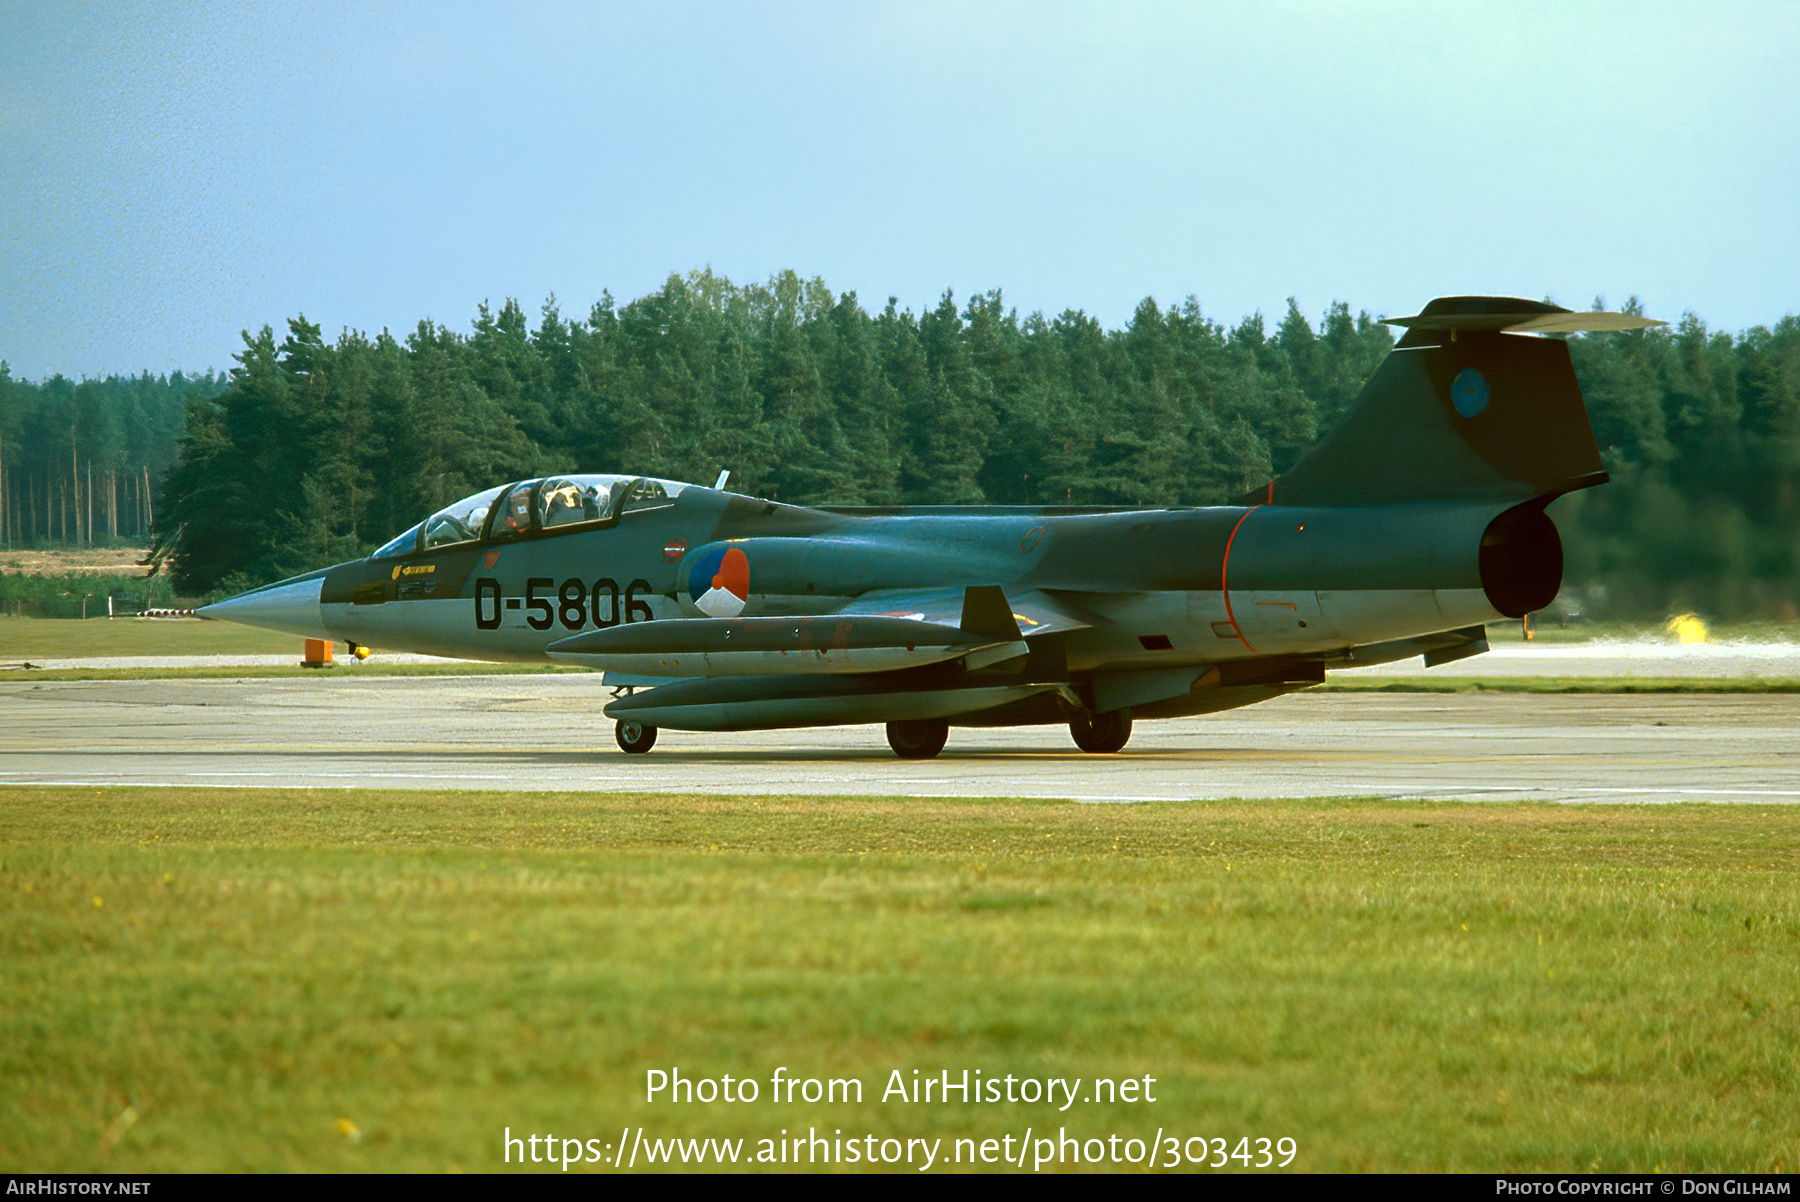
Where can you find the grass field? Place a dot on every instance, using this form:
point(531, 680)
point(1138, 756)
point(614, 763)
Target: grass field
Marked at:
point(1760, 630)
point(1433, 683)
point(72, 638)
point(69, 638)
point(56, 638)
point(340, 668)
point(256, 980)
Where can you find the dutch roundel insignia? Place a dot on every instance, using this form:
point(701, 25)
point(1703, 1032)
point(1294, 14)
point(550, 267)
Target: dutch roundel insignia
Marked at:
point(720, 583)
point(1469, 392)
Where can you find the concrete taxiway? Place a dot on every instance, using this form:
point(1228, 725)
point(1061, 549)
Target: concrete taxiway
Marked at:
point(547, 733)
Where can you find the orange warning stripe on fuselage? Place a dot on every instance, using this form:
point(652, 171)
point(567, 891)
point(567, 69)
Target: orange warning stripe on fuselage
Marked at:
point(1225, 580)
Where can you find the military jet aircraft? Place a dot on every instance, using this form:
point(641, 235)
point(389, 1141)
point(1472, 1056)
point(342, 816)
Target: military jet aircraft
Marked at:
point(1417, 520)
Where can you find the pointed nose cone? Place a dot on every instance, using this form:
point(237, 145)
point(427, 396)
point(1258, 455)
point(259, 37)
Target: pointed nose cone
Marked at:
point(291, 606)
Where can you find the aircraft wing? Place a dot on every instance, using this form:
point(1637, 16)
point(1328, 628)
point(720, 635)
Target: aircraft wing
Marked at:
point(888, 653)
point(879, 632)
point(1035, 611)
point(828, 644)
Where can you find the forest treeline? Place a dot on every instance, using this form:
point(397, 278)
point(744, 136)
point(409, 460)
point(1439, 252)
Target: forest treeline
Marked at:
point(81, 463)
point(311, 452)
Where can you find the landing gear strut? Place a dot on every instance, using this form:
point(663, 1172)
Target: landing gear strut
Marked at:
point(634, 737)
point(1101, 733)
point(919, 739)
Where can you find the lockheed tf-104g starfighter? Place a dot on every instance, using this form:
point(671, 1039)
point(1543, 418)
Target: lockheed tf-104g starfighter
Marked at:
point(1417, 520)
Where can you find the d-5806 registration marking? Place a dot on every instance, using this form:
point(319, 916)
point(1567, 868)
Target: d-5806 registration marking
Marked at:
point(574, 603)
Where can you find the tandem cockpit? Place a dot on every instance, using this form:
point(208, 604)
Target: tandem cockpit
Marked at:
point(533, 509)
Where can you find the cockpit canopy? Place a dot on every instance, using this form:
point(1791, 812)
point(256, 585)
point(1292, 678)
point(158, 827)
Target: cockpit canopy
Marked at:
point(529, 508)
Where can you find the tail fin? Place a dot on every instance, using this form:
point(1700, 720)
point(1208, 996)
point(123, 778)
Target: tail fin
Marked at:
point(1464, 407)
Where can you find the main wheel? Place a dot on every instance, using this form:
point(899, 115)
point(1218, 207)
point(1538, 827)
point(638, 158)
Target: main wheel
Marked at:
point(634, 737)
point(918, 740)
point(1101, 733)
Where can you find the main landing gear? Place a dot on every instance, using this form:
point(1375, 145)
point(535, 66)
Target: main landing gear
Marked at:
point(923, 738)
point(919, 739)
point(634, 737)
point(1101, 733)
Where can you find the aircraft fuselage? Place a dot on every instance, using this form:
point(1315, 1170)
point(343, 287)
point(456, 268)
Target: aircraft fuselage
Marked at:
point(1125, 596)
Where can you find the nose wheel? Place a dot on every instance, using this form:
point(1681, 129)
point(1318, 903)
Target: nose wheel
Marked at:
point(634, 738)
point(1101, 734)
point(919, 739)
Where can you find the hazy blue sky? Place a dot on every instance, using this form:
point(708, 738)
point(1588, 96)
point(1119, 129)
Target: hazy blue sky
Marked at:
point(171, 173)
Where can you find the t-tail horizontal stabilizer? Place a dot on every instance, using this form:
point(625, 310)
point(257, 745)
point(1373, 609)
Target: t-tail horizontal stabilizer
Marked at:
point(1508, 315)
